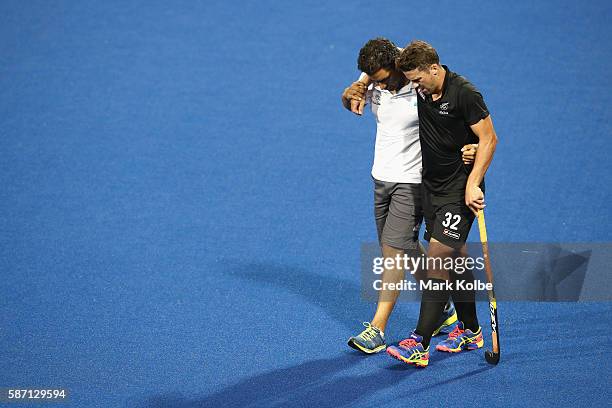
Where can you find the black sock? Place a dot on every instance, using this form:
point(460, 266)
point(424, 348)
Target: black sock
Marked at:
point(465, 301)
point(432, 306)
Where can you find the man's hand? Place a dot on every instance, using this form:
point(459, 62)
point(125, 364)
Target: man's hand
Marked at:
point(353, 97)
point(469, 153)
point(474, 198)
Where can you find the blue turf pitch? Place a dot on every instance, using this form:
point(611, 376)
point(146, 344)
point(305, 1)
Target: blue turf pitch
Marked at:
point(183, 199)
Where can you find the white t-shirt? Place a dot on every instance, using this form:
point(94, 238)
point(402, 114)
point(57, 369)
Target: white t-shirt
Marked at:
point(397, 155)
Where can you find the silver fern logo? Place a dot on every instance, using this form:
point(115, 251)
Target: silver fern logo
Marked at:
point(443, 108)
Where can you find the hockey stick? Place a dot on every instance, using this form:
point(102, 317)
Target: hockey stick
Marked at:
point(492, 357)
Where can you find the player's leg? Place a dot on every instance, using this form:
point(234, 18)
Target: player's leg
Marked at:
point(386, 297)
point(434, 296)
point(415, 349)
point(398, 237)
point(398, 218)
point(436, 310)
point(464, 296)
point(467, 335)
point(449, 315)
point(457, 221)
point(371, 340)
point(445, 243)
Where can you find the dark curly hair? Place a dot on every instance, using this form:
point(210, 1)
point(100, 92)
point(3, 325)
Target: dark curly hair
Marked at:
point(376, 54)
point(417, 55)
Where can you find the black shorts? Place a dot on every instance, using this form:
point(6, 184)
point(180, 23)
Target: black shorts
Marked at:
point(447, 219)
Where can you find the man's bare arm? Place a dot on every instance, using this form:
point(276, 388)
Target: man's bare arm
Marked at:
point(474, 197)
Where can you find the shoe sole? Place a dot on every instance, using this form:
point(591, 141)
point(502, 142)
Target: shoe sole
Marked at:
point(468, 347)
point(403, 359)
point(364, 350)
point(448, 322)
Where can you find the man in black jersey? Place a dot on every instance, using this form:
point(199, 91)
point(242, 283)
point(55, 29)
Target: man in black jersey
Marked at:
point(452, 113)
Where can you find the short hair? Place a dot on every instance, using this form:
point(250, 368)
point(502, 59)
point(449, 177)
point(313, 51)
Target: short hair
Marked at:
point(417, 55)
point(376, 54)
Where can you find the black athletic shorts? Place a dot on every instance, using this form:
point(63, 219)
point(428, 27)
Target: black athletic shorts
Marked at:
point(447, 218)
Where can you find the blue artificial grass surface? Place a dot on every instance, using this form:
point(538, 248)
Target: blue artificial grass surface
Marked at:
point(183, 200)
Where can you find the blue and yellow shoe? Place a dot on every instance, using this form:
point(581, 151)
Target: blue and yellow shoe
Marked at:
point(410, 351)
point(460, 339)
point(369, 341)
point(448, 318)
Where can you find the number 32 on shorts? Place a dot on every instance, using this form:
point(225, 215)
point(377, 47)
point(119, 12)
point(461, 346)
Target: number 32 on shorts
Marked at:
point(451, 221)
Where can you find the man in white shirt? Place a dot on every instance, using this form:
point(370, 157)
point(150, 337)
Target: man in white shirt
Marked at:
point(396, 173)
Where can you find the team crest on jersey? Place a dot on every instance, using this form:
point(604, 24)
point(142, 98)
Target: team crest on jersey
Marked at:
point(443, 108)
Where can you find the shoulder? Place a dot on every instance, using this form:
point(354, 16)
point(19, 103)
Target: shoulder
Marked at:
point(462, 85)
point(465, 91)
